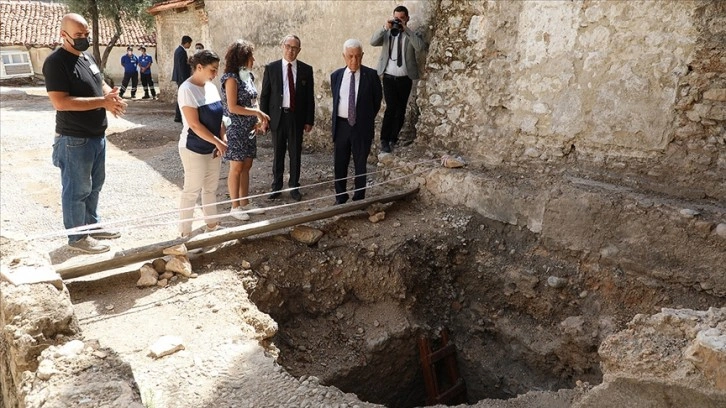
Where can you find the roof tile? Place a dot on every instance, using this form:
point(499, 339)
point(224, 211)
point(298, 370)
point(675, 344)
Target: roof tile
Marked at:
point(33, 23)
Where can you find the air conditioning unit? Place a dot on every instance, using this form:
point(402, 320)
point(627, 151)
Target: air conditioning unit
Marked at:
point(15, 64)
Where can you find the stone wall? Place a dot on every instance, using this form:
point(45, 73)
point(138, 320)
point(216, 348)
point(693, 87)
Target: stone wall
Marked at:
point(628, 87)
point(611, 87)
point(172, 26)
point(323, 27)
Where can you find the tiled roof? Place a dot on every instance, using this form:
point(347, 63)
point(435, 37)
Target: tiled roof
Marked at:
point(169, 5)
point(32, 23)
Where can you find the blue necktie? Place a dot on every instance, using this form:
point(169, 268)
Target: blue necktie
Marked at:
point(351, 100)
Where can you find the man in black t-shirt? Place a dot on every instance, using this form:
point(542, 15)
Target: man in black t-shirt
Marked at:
point(81, 98)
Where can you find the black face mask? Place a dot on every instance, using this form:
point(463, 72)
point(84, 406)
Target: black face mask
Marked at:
point(80, 44)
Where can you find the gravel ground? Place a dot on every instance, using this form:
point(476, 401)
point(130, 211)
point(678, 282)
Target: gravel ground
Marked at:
point(223, 364)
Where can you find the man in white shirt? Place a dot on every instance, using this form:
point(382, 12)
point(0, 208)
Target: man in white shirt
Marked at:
point(287, 97)
point(357, 99)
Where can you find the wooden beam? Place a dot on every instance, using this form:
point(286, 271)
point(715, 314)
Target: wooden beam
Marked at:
point(123, 258)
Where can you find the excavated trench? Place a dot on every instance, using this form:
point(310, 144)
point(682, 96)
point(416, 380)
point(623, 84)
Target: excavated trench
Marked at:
point(523, 316)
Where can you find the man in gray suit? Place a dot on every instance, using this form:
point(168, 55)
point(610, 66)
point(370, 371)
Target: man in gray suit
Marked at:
point(399, 68)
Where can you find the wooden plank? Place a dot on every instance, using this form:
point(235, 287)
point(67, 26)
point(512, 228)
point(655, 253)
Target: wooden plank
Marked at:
point(442, 353)
point(448, 396)
point(123, 258)
point(429, 374)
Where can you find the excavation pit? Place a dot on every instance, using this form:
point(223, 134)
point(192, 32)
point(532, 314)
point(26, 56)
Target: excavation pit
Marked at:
point(523, 317)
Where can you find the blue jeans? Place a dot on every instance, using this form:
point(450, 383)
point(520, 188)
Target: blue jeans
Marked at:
point(82, 162)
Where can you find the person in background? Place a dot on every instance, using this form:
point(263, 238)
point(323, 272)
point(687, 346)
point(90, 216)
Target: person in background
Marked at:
point(239, 98)
point(198, 47)
point(357, 96)
point(201, 142)
point(81, 98)
point(399, 68)
point(129, 61)
point(288, 97)
point(181, 70)
point(147, 82)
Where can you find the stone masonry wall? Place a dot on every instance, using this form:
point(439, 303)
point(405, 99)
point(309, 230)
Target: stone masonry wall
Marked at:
point(631, 87)
point(172, 25)
point(323, 27)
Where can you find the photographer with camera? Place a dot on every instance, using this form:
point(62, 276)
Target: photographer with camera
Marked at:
point(399, 68)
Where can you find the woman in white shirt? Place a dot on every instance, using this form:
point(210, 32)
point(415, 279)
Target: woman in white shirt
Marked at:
point(202, 141)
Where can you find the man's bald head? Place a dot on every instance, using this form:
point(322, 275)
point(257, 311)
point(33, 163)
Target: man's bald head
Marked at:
point(72, 20)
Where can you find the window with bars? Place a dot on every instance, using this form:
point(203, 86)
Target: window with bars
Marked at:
point(16, 63)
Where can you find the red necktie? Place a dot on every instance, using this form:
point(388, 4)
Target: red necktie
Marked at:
point(291, 85)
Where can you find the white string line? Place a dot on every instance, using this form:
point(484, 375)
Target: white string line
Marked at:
point(133, 222)
point(226, 215)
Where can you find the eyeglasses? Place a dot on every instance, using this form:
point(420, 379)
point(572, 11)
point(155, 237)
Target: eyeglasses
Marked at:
point(292, 48)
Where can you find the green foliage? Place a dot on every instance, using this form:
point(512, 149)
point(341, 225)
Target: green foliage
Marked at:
point(113, 10)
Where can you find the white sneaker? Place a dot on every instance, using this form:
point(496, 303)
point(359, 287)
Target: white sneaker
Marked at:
point(238, 213)
point(253, 209)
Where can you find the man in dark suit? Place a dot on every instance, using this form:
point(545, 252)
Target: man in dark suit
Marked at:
point(399, 69)
point(287, 97)
point(182, 70)
point(357, 95)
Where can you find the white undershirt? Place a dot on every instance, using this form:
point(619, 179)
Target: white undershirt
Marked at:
point(285, 86)
point(392, 67)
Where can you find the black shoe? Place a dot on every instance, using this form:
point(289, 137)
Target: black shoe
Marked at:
point(274, 195)
point(341, 199)
point(295, 195)
point(145, 97)
point(386, 148)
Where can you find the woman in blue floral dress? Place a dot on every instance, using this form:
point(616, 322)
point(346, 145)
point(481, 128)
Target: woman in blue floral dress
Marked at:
point(239, 99)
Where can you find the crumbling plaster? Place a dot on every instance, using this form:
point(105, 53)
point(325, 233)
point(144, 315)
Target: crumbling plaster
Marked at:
point(636, 86)
point(624, 86)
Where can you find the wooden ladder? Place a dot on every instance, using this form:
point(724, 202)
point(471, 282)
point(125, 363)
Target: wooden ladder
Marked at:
point(441, 374)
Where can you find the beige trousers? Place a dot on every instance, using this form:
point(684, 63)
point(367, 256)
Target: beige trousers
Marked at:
point(201, 175)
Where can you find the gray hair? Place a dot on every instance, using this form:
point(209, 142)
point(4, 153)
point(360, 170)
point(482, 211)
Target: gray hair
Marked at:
point(289, 36)
point(352, 43)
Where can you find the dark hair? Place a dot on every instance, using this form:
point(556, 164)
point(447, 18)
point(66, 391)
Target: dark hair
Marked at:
point(238, 54)
point(204, 58)
point(401, 9)
point(186, 39)
point(199, 45)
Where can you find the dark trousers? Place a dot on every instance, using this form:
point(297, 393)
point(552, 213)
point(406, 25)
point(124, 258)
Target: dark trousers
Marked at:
point(286, 138)
point(347, 143)
point(395, 91)
point(146, 83)
point(134, 77)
